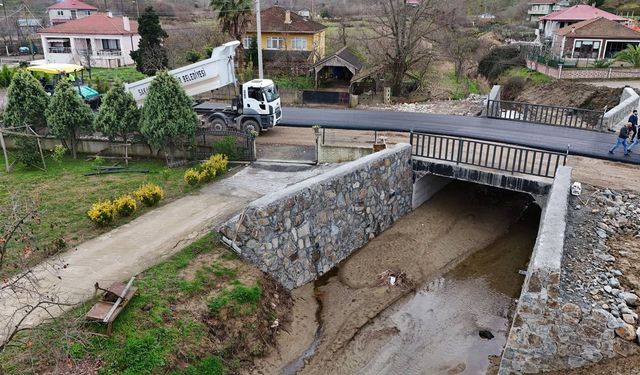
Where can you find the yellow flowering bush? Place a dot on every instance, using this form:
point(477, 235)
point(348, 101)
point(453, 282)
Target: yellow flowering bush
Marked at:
point(102, 213)
point(217, 162)
point(149, 194)
point(191, 177)
point(125, 205)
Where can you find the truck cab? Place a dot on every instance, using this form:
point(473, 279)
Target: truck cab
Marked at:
point(260, 97)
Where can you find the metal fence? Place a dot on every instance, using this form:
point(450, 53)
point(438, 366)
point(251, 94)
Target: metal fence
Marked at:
point(506, 158)
point(325, 97)
point(547, 114)
point(237, 145)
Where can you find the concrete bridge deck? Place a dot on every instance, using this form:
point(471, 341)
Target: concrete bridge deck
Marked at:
point(544, 137)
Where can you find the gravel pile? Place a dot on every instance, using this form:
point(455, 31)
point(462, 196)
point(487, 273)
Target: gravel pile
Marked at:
point(597, 269)
point(471, 106)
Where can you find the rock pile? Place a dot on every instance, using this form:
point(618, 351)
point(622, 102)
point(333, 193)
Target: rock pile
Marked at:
point(470, 106)
point(598, 278)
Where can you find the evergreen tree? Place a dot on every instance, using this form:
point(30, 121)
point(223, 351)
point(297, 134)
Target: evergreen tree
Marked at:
point(151, 55)
point(26, 101)
point(167, 114)
point(67, 114)
point(118, 116)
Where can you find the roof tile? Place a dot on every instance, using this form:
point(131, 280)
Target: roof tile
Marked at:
point(99, 23)
point(272, 20)
point(72, 4)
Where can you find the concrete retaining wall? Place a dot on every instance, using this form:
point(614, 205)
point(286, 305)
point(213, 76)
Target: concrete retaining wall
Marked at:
point(302, 232)
point(425, 187)
point(584, 73)
point(341, 153)
point(617, 115)
point(548, 334)
point(494, 94)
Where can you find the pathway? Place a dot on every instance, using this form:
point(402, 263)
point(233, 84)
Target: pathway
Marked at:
point(151, 238)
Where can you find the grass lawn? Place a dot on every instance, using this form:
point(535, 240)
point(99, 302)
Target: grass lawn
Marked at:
point(203, 311)
point(125, 74)
point(64, 195)
point(529, 75)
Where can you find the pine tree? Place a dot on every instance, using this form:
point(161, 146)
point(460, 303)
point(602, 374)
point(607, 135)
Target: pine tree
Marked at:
point(151, 55)
point(167, 115)
point(118, 116)
point(67, 114)
point(26, 101)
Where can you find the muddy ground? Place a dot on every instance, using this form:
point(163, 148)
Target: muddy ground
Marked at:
point(585, 96)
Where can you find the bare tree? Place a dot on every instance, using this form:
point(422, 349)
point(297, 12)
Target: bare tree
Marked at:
point(402, 36)
point(459, 45)
point(20, 292)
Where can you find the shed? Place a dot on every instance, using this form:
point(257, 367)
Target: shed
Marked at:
point(337, 69)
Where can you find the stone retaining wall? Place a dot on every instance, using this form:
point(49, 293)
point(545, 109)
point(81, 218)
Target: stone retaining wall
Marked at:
point(548, 333)
point(300, 233)
point(583, 73)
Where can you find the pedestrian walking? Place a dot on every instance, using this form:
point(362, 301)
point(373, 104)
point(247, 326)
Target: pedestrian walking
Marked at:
point(633, 119)
point(622, 139)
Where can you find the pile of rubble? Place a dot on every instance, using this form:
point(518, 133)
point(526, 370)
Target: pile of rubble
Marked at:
point(601, 258)
point(471, 106)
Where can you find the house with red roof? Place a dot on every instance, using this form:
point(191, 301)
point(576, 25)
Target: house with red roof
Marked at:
point(596, 39)
point(67, 10)
point(101, 40)
point(540, 8)
point(549, 24)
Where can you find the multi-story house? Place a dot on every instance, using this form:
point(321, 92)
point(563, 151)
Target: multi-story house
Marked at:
point(67, 10)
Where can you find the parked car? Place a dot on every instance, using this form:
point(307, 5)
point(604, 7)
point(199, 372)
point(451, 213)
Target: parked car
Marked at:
point(24, 50)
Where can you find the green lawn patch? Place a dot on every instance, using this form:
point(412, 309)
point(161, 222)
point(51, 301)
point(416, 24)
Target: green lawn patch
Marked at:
point(165, 329)
point(528, 75)
point(125, 74)
point(64, 195)
point(463, 87)
point(300, 82)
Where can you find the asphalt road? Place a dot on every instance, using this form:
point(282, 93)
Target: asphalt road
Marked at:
point(546, 137)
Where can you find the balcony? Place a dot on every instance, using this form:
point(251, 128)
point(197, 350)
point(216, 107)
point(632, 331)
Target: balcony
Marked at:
point(59, 49)
point(109, 53)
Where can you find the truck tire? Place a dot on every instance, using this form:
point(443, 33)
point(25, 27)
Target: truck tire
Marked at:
point(251, 125)
point(218, 124)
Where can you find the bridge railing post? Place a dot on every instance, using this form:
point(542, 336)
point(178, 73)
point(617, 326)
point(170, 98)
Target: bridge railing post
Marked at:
point(459, 154)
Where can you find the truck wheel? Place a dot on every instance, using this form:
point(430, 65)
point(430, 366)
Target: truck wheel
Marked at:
point(250, 126)
point(218, 124)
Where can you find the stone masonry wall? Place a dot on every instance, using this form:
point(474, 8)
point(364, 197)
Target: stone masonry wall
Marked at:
point(302, 232)
point(549, 332)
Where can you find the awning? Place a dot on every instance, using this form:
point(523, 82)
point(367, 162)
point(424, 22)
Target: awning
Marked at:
point(56, 68)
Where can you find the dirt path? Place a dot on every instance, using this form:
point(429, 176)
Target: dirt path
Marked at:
point(149, 239)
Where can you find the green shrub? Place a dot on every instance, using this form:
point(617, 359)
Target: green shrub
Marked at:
point(27, 152)
point(57, 154)
point(498, 60)
point(211, 365)
point(5, 76)
point(248, 295)
point(149, 194)
point(125, 205)
point(227, 147)
point(102, 213)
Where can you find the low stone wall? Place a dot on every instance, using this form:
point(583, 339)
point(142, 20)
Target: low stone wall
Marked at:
point(341, 153)
point(583, 73)
point(302, 232)
point(548, 333)
point(617, 115)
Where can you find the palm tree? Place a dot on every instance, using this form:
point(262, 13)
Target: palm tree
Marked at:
point(234, 16)
point(630, 55)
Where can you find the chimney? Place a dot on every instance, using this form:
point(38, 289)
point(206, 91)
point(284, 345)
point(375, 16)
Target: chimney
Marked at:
point(287, 17)
point(125, 23)
point(109, 14)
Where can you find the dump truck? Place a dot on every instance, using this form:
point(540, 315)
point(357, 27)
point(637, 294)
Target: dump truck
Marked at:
point(256, 108)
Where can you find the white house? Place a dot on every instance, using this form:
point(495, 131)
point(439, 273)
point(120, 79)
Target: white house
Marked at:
point(67, 10)
point(100, 40)
point(540, 8)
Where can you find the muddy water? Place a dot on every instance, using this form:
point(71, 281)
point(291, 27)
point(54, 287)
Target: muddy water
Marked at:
point(461, 252)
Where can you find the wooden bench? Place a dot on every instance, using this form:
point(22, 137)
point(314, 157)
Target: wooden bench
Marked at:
point(114, 300)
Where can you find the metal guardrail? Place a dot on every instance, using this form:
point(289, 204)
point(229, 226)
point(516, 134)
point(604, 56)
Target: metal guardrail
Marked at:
point(505, 158)
point(547, 114)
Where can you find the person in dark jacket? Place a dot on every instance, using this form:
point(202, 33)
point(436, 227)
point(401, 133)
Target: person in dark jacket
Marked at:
point(622, 139)
point(633, 119)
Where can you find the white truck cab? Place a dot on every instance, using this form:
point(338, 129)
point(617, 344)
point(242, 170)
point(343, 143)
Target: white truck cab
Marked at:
point(261, 97)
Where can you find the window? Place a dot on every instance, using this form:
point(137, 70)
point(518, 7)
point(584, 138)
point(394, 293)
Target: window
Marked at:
point(299, 44)
point(255, 93)
point(60, 13)
point(589, 49)
point(246, 42)
point(275, 42)
point(111, 44)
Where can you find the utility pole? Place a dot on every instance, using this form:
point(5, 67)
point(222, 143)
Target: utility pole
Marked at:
point(259, 40)
point(137, 9)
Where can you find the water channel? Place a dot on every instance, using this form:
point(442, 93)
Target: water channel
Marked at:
point(462, 253)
